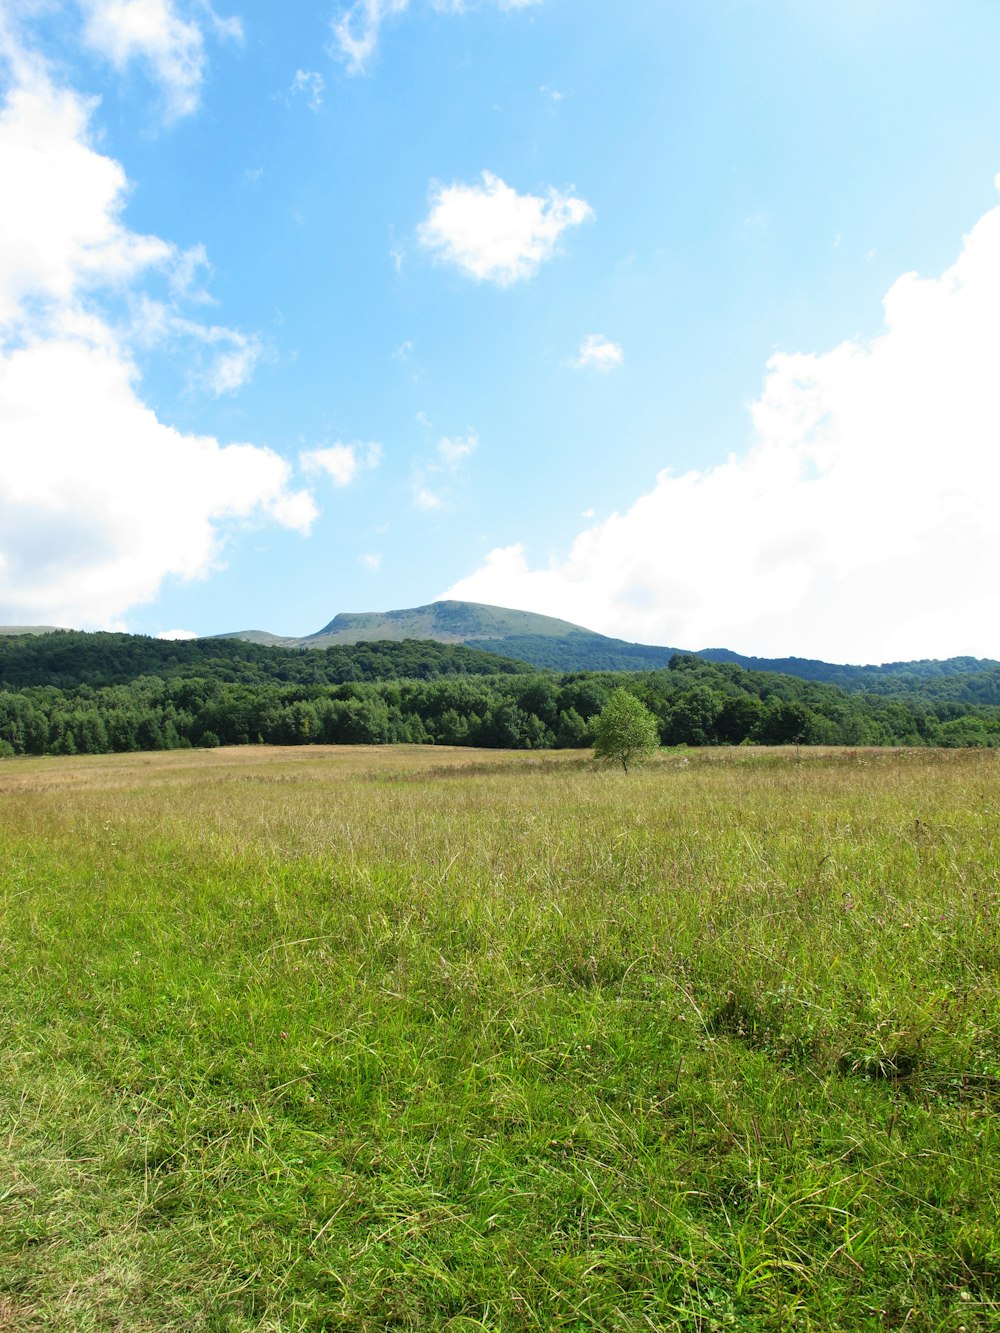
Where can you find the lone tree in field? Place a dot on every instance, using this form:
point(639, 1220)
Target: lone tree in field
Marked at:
point(625, 732)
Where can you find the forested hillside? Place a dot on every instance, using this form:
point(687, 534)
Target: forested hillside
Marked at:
point(68, 693)
point(69, 658)
point(966, 679)
point(577, 651)
point(559, 645)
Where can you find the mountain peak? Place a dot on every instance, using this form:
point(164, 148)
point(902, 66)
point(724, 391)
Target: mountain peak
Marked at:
point(447, 621)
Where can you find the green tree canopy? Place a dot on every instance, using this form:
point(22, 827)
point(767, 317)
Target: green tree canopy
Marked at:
point(626, 731)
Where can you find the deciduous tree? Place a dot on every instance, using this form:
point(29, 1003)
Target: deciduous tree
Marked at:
point(625, 732)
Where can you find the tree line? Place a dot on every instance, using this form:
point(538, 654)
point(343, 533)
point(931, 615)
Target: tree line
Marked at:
point(229, 699)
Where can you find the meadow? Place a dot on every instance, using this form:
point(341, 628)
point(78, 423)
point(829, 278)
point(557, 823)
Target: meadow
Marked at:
point(417, 1038)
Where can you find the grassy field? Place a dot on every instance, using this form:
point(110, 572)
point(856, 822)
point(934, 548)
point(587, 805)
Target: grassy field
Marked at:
point(440, 1039)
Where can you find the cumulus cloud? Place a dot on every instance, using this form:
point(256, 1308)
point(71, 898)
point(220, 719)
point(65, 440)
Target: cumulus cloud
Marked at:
point(598, 353)
point(154, 33)
point(100, 501)
point(357, 27)
point(371, 561)
point(61, 233)
point(860, 526)
point(342, 462)
point(494, 234)
point(177, 635)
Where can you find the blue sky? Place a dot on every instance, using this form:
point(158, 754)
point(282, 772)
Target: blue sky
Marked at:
point(678, 320)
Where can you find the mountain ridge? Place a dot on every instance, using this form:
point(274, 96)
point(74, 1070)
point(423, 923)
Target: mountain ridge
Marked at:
point(547, 641)
point(556, 644)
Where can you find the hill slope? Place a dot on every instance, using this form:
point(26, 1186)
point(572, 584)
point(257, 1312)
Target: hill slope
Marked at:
point(451, 622)
point(543, 641)
point(9, 631)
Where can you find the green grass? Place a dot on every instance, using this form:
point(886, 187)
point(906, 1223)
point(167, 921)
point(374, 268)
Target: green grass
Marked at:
point(428, 1039)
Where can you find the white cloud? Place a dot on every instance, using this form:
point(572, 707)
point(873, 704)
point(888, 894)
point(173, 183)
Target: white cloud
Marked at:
point(60, 228)
point(860, 526)
point(451, 452)
point(184, 274)
point(229, 28)
point(598, 353)
point(371, 561)
point(99, 500)
point(494, 234)
point(154, 33)
point(177, 635)
point(232, 369)
point(357, 28)
point(424, 497)
point(435, 479)
point(227, 358)
point(342, 462)
point(310, 85)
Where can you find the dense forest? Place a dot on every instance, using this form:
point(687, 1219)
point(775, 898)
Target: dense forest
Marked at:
point(68, 658)
point(971, 680)
point(73, 693)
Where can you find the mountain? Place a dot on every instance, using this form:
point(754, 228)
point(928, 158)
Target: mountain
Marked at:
point(451, 622)
point(543, 641)
point(448, 622)
point(29, 629)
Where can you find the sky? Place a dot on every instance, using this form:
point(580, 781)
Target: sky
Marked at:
point(678, 319)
